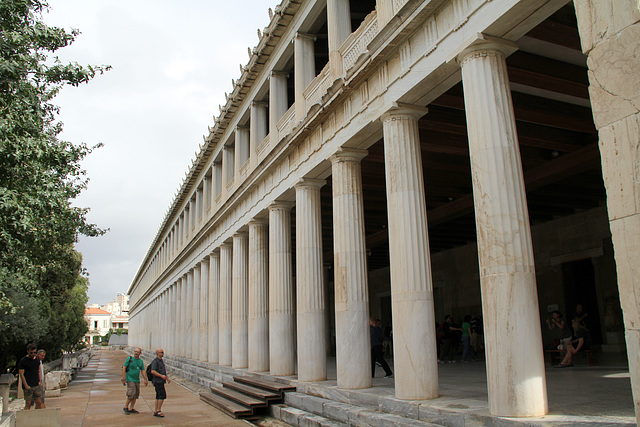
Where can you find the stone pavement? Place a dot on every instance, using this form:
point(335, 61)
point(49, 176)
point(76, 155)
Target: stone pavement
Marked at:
point(96, 398)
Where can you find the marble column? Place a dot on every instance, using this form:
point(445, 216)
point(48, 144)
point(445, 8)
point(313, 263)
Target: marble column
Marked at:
point(515, 373)
point(278, 103)
point(214, 289)
point(310, 308)
point(258, 295)
point(281, 321)
point(338, 28)
point(353, 348)
point(240, 301)
point(178, 328)
point(414, 341)
point(172, 324)
point(608, 36)
point(188, 316)
point(257, 129)
point(242, 148)
point(195, 315)
point(224, 304)
point(304, 70)
point(204, 312)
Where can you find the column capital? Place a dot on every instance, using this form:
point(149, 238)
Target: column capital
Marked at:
point(281, 205)
point(348, 154)
point(259, 104)
point(301, 35)
point(225, 245)
point(259, 221)
point(240, 234)
point(401, 109)
point(279, 73)
point(310, 182)
point(215, 253)
point(480, 44)
point(242, 128)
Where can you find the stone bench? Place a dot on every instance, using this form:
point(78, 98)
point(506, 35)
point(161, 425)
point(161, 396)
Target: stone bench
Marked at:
point(558, 355)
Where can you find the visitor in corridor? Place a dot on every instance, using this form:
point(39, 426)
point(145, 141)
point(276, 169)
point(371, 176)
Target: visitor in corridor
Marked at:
point(581, 341)
point(376, 349)
point(466, 340)
point(158, 379)
point(131, 370)
point(477, 337)
point(558, 323)
point(29, 371)
point(581, 316)
point(449, 344)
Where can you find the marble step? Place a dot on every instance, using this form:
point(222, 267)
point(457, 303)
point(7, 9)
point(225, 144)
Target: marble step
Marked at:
point(343, 413)
point(229, 407)
point(240, 398)
point(254, 392)
point(265, 384)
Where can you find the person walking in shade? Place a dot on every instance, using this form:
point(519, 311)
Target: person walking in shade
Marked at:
point(159, 378)
point(131, 370)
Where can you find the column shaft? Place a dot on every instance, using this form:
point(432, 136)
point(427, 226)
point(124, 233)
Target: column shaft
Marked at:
point(310, 308)
point(204, 313)
point(304, 70)
point(281, 321)
point(278, 103)
point(195, 315)
point(258, 296)
point(338, 28)
point(515, 373)
point(353, 349)
point(224, 304)
point(214, 290)
point(188, 315)
point(258, 129)
point(240, 293)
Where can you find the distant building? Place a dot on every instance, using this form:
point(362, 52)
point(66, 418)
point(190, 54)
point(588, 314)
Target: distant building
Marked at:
point(98, 321)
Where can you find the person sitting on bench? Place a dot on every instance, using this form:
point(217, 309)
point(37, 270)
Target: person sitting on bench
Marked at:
point(581, 341)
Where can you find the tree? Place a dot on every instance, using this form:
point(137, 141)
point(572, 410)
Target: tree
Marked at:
point(40, 174)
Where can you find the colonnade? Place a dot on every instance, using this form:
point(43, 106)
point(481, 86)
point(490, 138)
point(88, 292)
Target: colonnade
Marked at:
point(235, 305)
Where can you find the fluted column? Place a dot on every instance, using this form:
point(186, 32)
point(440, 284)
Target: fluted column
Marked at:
point(338, 28)
point(188, 314)
point(240, 302)
point(515, 373)
point(214, 292)
point(353, 348)
point(179, 328)
point(195, 315)
point(310, 308)
point(224, 304)
point(278, 103)
point(281, 321)
point(241, 148)
point(204, 312)
point(414, 341)
point(304, 70)
point(257, 129)
point(258, 296)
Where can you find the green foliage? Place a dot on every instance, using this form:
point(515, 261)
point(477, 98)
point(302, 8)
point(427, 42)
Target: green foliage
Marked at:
point(40, 175)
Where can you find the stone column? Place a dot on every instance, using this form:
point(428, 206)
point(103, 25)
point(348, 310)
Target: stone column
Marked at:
point(242, 148)
point(188, 316)
point(609, 36)
point(304, 70)
point(278, 103)
point(173, 304)
point(214, 291)
point(310, 307)
point(281, 325)
point(414, 341)
point(338, 28)
point(257, 129)
point(195, 315)
point(353, 344)
point(515, 373)
point(204, 312)
point(240, 302)
point(179, 348)
point(258, 295)
point(224, 304)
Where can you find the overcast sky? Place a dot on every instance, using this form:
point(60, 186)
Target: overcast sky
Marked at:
point(172, 62)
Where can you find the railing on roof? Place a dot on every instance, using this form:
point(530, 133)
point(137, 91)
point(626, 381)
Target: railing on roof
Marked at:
point(356, 44)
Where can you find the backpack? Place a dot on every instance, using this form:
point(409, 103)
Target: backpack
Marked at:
point(148, 370)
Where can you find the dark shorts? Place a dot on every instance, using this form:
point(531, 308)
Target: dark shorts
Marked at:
point(161, 393)
point(33, 393)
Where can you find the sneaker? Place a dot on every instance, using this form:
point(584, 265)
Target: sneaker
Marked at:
point(451, 361)
point(389, 376)
point(440, 361)
point(125, 410)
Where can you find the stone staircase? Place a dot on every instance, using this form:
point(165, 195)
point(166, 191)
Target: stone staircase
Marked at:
point(246, 397)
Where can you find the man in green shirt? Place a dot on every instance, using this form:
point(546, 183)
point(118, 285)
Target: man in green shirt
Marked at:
point(131, 370)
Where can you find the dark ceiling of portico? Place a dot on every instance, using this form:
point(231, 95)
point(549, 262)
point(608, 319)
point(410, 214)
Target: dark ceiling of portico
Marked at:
point(558, 146)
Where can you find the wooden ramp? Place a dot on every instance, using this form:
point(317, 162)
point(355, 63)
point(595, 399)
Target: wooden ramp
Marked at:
point(246, 397)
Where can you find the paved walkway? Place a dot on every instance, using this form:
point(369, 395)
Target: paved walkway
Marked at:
point(96, 398)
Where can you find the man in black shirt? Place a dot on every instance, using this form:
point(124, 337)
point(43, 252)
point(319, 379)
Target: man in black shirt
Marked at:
point(29, 370)
point(159, 377)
